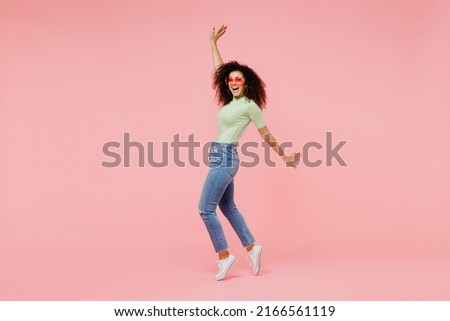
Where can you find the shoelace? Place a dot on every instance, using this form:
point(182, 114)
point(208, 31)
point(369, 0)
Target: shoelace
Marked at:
point(221, 264)
point(252, 260)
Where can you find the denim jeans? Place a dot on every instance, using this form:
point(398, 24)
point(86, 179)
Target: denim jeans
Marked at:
point(218, 189)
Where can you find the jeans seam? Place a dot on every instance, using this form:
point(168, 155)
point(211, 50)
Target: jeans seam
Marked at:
point(205, 205)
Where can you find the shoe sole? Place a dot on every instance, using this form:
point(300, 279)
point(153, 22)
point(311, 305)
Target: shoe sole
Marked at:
point(226, 271)
point(255, 272)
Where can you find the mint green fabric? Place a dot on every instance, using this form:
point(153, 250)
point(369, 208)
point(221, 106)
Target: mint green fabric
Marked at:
point(234, 118)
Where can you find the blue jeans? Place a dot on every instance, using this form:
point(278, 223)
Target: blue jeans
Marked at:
point(218, 189)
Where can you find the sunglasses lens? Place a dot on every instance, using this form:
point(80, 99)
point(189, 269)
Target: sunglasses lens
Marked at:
point(236, 79)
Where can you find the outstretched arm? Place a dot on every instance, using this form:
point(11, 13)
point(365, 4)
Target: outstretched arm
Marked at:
point(217, 59)
point(290, 160)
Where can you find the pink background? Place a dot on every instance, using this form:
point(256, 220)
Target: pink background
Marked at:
point(77, 74)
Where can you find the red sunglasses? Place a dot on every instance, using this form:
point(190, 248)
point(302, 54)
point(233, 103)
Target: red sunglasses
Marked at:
point(237, 80)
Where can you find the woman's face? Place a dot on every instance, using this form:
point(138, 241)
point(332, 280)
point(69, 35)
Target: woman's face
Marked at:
point(236, 83)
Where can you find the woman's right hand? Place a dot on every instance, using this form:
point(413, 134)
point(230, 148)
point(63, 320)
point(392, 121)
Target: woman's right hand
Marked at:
point(292, 160)
point(216, 34)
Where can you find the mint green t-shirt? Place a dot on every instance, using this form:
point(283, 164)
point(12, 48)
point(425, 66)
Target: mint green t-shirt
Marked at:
point(234, 117)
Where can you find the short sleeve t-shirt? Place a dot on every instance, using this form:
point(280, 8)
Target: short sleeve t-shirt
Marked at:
point(234, 118)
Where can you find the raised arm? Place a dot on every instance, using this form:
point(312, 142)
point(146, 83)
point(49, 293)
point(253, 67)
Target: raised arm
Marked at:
point(290, 160)
point(217, 59)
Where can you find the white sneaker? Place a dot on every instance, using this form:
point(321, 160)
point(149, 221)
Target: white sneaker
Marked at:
point(224, 266)
point(254, 257)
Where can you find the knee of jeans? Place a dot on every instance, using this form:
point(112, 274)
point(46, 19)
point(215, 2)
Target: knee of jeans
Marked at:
point(206, 216)
point(228, 208)
point(203, 211)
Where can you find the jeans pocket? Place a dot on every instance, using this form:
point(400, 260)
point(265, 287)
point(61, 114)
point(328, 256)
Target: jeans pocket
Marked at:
point(214, 161)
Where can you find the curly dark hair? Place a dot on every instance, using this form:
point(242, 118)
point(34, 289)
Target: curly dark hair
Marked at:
point(255, 86)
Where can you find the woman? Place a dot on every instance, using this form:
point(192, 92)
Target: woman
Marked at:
point(241, 93)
